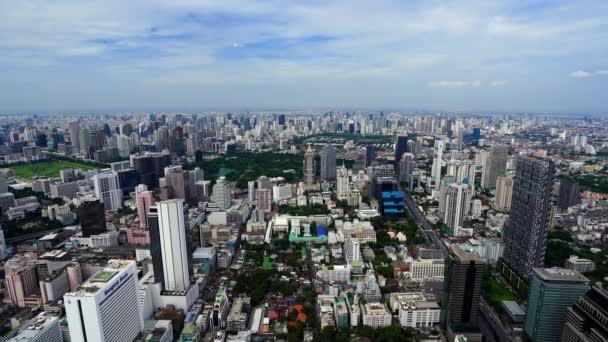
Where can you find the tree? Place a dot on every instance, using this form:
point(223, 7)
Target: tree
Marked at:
point(327, 333)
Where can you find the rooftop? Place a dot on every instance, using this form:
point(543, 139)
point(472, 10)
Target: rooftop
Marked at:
point(560, 274)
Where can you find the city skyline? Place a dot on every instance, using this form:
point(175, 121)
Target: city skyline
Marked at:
point(475, 56)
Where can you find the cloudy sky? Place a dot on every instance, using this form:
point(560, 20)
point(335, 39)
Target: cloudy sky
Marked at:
point(524, 55)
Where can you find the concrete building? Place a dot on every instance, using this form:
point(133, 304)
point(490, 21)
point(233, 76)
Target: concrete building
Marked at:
point(551, 292)
point(587, 319)
point(415, 309)
point(376, 315)
point(525, 233)
point(106, 308)
point(328, 163)
point(107, 189)
point(352, 249)
point(504, 192)
point(22, 281)
point(144, 199)
point(222, 194)
point(41, 328)
point(309, 167)
point(457, 204)
point(495, 165)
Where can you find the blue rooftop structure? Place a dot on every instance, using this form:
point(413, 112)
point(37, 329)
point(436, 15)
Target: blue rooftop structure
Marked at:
point(321, 230)
point(391, 204)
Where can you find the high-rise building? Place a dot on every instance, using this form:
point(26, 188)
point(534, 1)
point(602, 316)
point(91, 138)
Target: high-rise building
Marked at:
point(525, 233)
point(107, 189)
point(150, 167)
point(84, 137)
point(504, 192)
point(144, 199)
point(457, 204)
point(328, 163)
point(569, 194)
point(495, 165)
point(406, 166)
point(462, 290)
point(352, 249)
point(370, 152)
point(264, 199)
point(22, 281)
point(551, 292)
point(106, 307)
point(75, 135)
point(170, 245)
point(92, 218)
point(222, 194)
point(587, 319)
point(437, 162)
point(342, 183)
point(251, 192)
point(400, 147)
point(309, 166)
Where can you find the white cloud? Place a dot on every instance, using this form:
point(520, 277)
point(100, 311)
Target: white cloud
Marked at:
point(499, 83)
point(580, 74)
point(455, 84)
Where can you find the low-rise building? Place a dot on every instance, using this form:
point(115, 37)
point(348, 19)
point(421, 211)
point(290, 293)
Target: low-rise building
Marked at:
point(376, 315)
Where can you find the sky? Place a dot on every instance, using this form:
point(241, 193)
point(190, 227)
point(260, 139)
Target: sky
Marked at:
point(478, 55)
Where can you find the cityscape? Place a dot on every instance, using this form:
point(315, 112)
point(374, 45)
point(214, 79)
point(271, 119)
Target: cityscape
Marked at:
point(257, 171)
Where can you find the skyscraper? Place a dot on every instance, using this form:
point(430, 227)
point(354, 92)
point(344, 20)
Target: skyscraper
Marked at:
point(462, 290)
point(504, 192)
point(370, 152)
point(264, 199)
point(170, 245)
point(309, 166)
point(342, 183)
point(251, 191)
point(437, 161)
point(495, 165)
point(222, 194)
point(107, 189)
point(328, 163)
point(587, 319)
point(525, 233)
point(551, 291)
point(400, 147)
point(144, 200)
point(569, 194)
point(75, 135)
point(406, 166)
point(457, 204)
point(106, 307)
point(92, 217)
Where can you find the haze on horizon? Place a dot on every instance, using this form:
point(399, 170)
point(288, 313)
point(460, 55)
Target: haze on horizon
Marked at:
point(451, 55)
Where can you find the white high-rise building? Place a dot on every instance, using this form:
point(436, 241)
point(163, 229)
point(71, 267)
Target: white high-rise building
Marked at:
point(107, 189)
point(476, 208)
point(222, 194)
point(352, 249)
point(437, 160)
point(106, 308)
point(251, 191)
point(124, 146)
point(342, 183)
point(173, 245)
point(456, 206)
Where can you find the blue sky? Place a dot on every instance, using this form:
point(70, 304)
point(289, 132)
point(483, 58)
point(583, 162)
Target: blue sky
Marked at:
point(198, 54)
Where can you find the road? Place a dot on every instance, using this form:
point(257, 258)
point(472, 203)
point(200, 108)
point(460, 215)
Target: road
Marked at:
point(420, 220)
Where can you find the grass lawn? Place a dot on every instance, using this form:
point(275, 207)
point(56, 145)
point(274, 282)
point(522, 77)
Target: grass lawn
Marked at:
point(49, 168)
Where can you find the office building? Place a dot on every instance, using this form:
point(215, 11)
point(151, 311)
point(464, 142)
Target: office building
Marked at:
point(579, 264)
point(587, 319)
point(309, 167)
point(149, 168)
point(144, 199)
point(170, 245)
point(551, 292)
point(106, 308)
point(251, 192)
point(462, 290)
point(569, 194)
point(400, 147)
point(370, 154)
point(107, 189)
point(92, 218)
point(525, 233)
point(495, 165)
point(328, 163)
point(504, 192)
point(41, 328)
point(415, 309)
point(54, 286)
